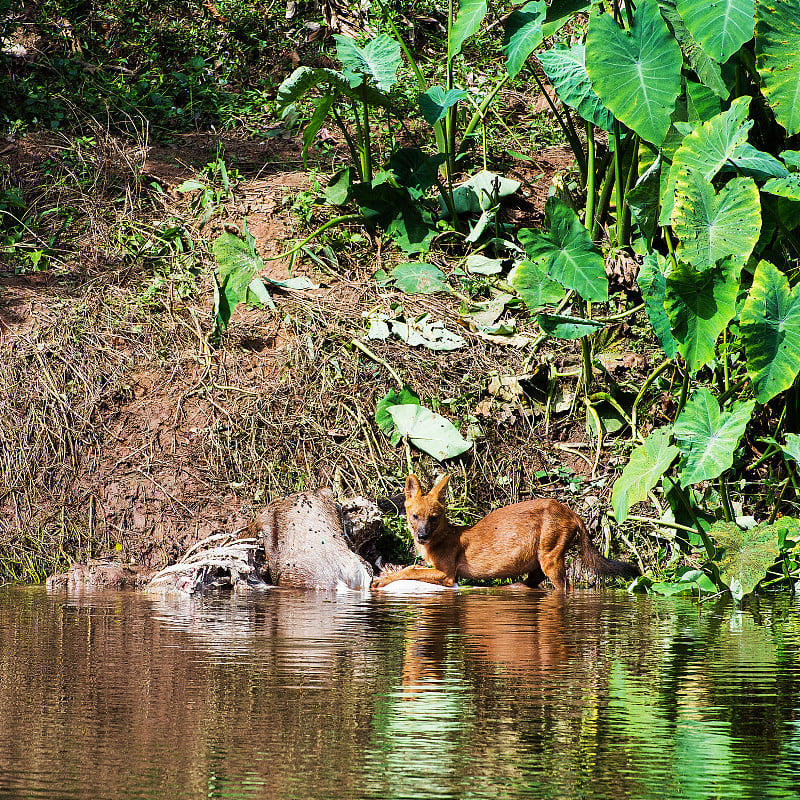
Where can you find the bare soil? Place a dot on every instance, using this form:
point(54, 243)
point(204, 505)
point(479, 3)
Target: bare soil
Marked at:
point(126, 435)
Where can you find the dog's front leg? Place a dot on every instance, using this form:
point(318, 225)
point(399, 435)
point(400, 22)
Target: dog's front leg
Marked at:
point(425, 574)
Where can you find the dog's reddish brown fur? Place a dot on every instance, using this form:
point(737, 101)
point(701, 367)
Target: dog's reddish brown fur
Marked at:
point(529, 538)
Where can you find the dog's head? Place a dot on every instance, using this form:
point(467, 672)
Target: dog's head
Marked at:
point(425, 512)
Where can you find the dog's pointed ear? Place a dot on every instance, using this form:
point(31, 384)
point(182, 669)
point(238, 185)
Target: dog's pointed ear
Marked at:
point(413, 489)
point(440, 488)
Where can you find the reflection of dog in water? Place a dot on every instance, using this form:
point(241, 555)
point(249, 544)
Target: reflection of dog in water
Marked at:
point(529, 538)
point(498, 634)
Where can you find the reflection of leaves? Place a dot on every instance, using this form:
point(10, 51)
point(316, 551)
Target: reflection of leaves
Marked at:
point(748, 553)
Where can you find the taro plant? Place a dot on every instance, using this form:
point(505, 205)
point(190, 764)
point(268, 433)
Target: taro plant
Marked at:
point(700, 176)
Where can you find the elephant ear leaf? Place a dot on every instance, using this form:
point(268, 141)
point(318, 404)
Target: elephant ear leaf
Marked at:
point(748, 554)
point(719, 28)
point(648, 463)
point(778, 59)
point(770, 326)
point(637, 75)
point(708, 437)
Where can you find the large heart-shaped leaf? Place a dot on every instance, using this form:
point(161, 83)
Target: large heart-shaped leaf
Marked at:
point(707, 69)
point(419, 277)
point(436, 101)
point(748, 554)
point(648, 463)
point(707, 437)
point(469, 18)
point(770, 327)
point(721, 27)
point(778, 59)
point(566, 70)
point(567, 252)
point(699, 305)
point(707, 148)
point(638, 74)
point(238, 265)
point(414, 169)
point(430, 432)
point(652, 280)
point(757, 164)
point(379, 59)
point(535, 287)
point(710, 226)
point(523, 34)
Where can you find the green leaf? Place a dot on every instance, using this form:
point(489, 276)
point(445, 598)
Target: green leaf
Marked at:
point(721, 27)
point(321, 111)
point(523, 34)
point(710, 226)
point(337, 193)
point(405, 396)
point(770, 328)
point(469, 18)
point(707, 69)
point(561, 326)
point(535, 287)
point(792, 447)
point(778, 59)
point(419, 277)
point(788, 186)
point(757, 164)
point(334, 83)
point(708, 437)
point(481, 191)
point(436, 101)
point(699, 305)
point(238, 265)
point(566, 70)
point(748, 553)
point(430, 432)
point(648, 463)
point(567, 252)
point(652, 280)
point(637, 75)
point(480, 265)
point(644, 200)
point(379, 59)
point(707, 148)
point(415, 170)
point(560, 12)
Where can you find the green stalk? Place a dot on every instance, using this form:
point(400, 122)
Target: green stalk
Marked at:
point(645, 386)
point(630, 182)
point(351, 145)
point(602, 205)
point(618, 181)
point(588, 220)
point(684, 391)
point(367, 152)
point(727, 509)
point(480, 112)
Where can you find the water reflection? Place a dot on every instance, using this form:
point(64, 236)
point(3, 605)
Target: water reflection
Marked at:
point(482, 694)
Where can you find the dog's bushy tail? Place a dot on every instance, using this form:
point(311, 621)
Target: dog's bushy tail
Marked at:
point(597, 563)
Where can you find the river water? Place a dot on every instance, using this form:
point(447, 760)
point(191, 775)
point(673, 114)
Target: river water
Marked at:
point(476, 694)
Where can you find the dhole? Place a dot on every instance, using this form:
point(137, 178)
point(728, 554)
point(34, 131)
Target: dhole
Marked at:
point(527, 538)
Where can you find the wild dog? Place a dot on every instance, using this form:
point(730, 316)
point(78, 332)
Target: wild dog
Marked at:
point(529, 538)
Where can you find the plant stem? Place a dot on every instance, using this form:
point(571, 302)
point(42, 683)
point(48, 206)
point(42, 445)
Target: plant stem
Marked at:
point(329, 224)
point(727, 509)
point(588, 220)
point(367, 152)
point(651, 378)
point(684, 391)
point(618, 182)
